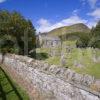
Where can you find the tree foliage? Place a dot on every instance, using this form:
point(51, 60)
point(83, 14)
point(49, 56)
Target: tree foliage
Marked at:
point(13, 24)
point(83, 40)
point(95, 36)
point(90, 40)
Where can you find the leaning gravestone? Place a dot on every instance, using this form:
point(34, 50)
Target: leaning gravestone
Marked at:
point(63, 60)
point(94, 56)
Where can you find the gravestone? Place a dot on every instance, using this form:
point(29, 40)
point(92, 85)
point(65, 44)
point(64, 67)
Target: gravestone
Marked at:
point(63, 60)
point(78, 64)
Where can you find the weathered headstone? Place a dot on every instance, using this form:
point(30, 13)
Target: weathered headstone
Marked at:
point(63, 60)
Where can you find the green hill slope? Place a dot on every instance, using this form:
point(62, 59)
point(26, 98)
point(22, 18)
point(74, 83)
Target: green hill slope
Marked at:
point(69, 29)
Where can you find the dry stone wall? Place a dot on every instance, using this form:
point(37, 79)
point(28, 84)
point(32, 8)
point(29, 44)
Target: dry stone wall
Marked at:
point(49, 82)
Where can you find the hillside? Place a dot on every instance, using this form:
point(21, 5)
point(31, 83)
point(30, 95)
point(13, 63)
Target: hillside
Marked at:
point(69, 29)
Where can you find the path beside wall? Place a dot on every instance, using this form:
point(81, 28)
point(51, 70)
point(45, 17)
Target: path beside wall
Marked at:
point(49, 82)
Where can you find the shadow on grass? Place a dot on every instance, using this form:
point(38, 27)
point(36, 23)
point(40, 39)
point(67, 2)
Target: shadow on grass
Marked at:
point(3, 93)
point(41, 56)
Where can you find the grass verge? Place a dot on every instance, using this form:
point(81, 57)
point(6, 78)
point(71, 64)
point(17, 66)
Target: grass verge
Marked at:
point(9, 90)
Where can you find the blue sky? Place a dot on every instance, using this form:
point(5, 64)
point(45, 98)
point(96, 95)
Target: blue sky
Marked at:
point(49, 14)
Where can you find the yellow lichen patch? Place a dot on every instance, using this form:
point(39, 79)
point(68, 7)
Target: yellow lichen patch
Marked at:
point(95, 87)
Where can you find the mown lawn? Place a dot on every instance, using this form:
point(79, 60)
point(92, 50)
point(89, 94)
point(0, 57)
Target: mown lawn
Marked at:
point(9, 90)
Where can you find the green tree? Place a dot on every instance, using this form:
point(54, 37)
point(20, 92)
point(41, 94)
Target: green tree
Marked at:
point(8, 44)
point(15, 25)
point(83, 40)
point(95, 36)
point(91, 39)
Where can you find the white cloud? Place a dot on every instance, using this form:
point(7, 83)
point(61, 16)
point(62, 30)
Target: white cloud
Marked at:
point(95, 13)
point(43, 22)
point(75, 12)
point(1, 1)
point(45, 25)
point(92, 3)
